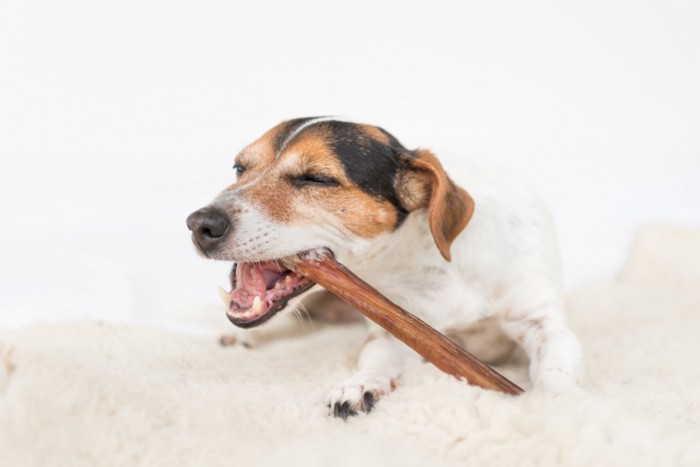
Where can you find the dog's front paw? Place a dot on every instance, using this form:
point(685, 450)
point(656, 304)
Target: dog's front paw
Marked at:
point(247, 338)
point(230, 340)
point(358, 393)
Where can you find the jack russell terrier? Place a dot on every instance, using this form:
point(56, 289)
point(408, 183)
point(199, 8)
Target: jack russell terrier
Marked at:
point(480, 265)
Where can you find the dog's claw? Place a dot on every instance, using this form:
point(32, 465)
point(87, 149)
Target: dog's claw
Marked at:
point(336, 409)
point(368, 399)
point(339, 411)
point(344, 410)
point(358, 394)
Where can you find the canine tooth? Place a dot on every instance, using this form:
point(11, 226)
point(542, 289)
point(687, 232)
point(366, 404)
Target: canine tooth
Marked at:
point(288, 279)
point(225, 296)
point(257, 304)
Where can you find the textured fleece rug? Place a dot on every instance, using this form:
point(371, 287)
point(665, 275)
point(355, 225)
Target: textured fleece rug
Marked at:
point(95, 394)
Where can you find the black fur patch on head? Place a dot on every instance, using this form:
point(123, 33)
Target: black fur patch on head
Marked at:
point(372, 165)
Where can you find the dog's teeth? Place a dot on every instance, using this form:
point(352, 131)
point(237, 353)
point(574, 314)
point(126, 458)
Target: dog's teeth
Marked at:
point(288, 279)
point(225, 296)
point(257, 304)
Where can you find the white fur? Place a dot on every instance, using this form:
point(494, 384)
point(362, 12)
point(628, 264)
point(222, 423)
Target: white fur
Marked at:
point(504, 269)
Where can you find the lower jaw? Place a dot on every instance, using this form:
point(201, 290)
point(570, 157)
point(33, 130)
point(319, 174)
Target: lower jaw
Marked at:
point(275, 308)
point(252, 322)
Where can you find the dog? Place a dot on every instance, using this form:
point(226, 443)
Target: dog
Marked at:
point(475, 258)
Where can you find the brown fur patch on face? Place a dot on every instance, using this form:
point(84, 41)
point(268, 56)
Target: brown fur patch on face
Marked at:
point(269, 184)
point(273, 197)
point(360, 213)
point(262, 150)
point(376, 133)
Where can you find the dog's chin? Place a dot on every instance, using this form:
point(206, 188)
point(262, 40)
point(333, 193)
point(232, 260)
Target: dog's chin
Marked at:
point(259, 290)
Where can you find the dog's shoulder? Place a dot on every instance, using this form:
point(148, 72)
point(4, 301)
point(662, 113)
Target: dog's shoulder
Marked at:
point(511, 225)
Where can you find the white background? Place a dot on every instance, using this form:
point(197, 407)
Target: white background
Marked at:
point(119, 118)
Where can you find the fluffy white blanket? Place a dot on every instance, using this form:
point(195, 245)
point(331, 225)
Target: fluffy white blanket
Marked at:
point(95, 394)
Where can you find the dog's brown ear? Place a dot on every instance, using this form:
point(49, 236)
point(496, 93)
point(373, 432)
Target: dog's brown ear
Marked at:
point(423, 183)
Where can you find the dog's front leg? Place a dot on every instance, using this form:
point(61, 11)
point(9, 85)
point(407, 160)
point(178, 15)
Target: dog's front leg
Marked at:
point(381, 362)
point(556, 363)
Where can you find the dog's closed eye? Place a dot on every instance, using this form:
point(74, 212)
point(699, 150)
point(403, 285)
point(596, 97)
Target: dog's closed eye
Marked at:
point(239, 168)
point(313, 179)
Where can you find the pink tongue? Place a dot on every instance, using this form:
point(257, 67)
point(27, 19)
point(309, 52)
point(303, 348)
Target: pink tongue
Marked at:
point(253, 279)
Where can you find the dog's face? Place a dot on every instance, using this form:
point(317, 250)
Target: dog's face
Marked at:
point(312, 183)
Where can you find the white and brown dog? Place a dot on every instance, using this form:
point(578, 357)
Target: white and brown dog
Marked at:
point(481, 266)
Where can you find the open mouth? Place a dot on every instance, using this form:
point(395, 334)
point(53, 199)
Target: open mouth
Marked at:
point(260, 290)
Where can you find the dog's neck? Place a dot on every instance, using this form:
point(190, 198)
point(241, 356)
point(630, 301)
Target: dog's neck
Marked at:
point(393, 260)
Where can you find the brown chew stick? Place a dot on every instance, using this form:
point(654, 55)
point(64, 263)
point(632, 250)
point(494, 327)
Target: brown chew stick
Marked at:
point(430, 344)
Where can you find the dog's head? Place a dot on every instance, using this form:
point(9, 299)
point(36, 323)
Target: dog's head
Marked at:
point(318, 182)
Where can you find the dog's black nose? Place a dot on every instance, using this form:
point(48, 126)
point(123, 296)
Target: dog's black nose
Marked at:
point(208, 226)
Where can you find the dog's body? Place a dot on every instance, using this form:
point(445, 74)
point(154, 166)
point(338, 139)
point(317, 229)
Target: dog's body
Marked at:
point(399, 223)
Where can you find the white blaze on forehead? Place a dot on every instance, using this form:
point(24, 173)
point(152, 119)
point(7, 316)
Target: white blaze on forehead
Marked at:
point(304, 126)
